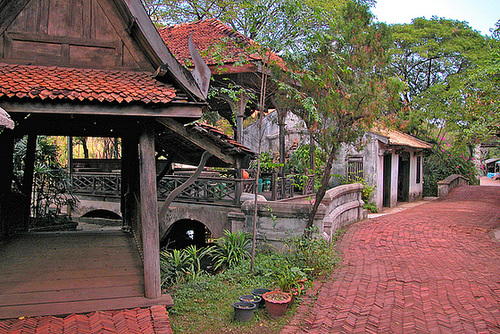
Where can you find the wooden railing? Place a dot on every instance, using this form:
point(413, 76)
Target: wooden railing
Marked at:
point(96, 184)
point(221, 191)
point(217, 190)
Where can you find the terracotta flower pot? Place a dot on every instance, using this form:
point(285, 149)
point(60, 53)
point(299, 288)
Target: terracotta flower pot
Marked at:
point(276, 302)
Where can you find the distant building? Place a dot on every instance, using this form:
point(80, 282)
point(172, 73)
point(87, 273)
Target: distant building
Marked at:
point(389, 160)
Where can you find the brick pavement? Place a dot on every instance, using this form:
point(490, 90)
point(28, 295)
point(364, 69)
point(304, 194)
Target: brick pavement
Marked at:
point(430, 269)
point(151, 320)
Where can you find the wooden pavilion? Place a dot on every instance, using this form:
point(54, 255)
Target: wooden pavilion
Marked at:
point(91, 68)
point(233, 59)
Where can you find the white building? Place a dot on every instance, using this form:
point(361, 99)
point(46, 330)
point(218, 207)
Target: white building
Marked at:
point(389, 160)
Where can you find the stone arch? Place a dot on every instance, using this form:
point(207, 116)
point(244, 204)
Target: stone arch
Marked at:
point(213, 217)
point(186, 232)
point(101, 213)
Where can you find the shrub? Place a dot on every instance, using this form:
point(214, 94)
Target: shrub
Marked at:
point(312, 254)
point(180, 265)
point(440, 164)
point(231, 249)
point(366, 193)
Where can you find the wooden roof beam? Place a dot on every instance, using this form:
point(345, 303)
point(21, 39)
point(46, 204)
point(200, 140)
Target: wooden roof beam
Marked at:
point(196, 139)
point(186, 110)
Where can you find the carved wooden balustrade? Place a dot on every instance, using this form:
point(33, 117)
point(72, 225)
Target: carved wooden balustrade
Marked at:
point(216, 190)
point(96, 184)
point(221, 191)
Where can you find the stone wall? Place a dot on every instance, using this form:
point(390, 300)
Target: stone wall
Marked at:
point(452, 181)
point(343, 206)
point(279, 220)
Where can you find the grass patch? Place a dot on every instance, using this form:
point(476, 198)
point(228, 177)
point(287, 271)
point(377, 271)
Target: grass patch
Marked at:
point(203, 302)
point(205, 305)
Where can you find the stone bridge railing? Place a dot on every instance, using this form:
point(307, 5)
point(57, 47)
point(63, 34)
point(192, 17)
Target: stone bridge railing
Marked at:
point(452, 181)
point(343, 206)
point(281, 219)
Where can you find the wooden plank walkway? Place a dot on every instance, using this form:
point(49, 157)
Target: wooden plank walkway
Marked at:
point(71, 272)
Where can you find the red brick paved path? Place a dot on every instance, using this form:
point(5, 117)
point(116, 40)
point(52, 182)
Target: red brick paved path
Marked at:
point(152, 320)
point(430, 269)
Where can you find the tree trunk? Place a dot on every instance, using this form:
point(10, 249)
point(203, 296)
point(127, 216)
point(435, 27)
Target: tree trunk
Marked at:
point(282, 151)
point(85, 148)
point(322, 190)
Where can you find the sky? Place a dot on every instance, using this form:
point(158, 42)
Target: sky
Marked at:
point(480, 14)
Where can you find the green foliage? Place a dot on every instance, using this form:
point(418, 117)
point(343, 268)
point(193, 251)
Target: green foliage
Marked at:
point(182, 265)
point(366, 193)
point(203, 304)
point(173, 265)
point(51, 187)
point(452, 89)
point(268, 163)
point(312, 254)
point(440, 164)
point(372, 207)
point(231, 249)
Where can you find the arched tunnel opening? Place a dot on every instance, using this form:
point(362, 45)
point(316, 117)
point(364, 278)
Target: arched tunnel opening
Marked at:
point(184, 233)
point(105, 214)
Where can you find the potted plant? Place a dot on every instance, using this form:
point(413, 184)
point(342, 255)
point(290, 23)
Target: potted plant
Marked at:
point(243, 311)
point(276, 302)
point(292, 280)
point(251, 299)
point(259, 292)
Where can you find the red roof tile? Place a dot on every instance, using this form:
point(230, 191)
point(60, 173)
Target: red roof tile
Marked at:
point(207, 37)
point(220, 137)
point(398, 138)
point(61, 83)
point(147, 320)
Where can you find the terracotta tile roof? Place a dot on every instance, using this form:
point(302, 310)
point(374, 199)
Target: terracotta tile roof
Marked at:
point(207, 37)
point(61, 83)
point(145, 320)
point(220, 138)
point(398, 138)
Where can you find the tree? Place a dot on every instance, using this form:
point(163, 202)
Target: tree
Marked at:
point(343, 86)
point(444, 64)
point(275, 24)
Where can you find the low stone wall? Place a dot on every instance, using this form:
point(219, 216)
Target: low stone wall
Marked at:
point(343, 206)
point(277, 221)
point(281, 219)
point(452, 181)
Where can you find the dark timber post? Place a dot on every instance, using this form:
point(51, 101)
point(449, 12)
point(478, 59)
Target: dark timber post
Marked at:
point(6, 160)
point(149, 211)
point(29, 168)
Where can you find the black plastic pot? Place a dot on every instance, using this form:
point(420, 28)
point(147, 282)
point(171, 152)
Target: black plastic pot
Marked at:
point(243, 311)
point(259, 292)
point(251, 299)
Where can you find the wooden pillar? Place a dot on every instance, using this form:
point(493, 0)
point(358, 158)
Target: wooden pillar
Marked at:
point(312, 154)
point(129, 175)
point(29, 168)
point(6, 160)
point(149, 211)
point(240, 114)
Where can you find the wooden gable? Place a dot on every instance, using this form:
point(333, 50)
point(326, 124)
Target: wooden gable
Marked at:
point(73, 33)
